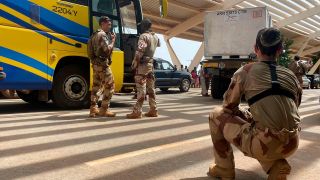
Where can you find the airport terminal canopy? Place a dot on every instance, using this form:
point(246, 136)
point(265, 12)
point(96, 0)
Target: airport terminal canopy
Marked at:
point(297, 19)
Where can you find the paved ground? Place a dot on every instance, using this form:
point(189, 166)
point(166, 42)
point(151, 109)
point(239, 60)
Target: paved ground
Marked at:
point(47, 143)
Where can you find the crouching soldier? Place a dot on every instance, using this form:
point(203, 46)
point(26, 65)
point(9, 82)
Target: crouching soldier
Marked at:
point(270, 131)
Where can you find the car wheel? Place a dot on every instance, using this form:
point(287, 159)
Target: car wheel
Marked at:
point(185, 85)
point(164, 89)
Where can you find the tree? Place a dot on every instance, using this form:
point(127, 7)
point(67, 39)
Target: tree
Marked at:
point(315, 58)
point(285, 58)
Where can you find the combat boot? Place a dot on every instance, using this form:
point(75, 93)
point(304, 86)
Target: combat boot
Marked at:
point(224, 174)
point(93, 112)
point(134, 115)
point(152, 113)
point(105, 113)
point(279, 170)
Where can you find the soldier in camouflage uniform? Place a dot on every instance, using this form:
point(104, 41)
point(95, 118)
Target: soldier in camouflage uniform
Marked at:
point(144, 76)
point(100, 48)
point(270, 131)
point(299, 68)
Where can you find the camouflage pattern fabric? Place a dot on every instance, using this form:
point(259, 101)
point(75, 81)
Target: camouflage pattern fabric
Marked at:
point(270, 131)
point(143, 65)
point(102, 82)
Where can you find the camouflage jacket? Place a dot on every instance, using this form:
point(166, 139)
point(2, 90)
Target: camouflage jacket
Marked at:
point(102, 48)
point(274, 111)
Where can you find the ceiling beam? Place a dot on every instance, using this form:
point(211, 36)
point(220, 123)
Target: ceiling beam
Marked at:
point(183, 6)
point(310, 51)
point(199, 18)
point(297, 17)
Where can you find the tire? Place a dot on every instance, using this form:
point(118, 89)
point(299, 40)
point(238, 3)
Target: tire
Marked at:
point(185, 85)
point(71, 87)
point(219, 85)
point(31, 98)
point(164, 89)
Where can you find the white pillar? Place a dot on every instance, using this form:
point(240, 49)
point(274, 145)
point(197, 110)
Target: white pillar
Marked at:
point(173, 55)
point(197, 58)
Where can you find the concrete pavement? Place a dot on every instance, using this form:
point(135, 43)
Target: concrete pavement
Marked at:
point(48, 143)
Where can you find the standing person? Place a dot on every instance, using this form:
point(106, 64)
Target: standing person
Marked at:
point(181, 67)
point(186, 68)
point(194, 77)
point(144, 76)
point(203, 84)
point(270, 131)
point(100, 46)
point(299, 68)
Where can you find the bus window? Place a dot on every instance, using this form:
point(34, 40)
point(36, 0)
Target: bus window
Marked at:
point(104, 6)
point(128, 17)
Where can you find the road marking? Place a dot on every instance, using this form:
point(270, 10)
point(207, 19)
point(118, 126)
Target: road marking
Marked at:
point(145, 151)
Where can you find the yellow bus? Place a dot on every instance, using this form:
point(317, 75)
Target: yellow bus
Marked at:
point(43, 47)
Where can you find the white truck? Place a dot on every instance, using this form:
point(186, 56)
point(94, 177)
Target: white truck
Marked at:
point(230, 36)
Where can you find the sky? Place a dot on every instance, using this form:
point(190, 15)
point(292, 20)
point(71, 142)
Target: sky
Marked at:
point(184, 49)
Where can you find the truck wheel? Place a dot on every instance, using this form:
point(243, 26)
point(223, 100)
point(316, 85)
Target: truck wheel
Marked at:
point(185, 85)
point(31, 98)
point(219, 85)
point(71, 87)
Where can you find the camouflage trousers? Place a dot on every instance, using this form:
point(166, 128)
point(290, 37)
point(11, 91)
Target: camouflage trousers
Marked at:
point(103, 83)
point(145, 84)
point(262, 144)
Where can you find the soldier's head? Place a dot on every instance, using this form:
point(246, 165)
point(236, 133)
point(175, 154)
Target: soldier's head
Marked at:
point(296, 58)
point(105, 23)
point(145, 25)
point(268, 44)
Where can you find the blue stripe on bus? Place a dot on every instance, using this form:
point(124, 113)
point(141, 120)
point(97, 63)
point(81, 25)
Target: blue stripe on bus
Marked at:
point(20, 79)
point(50, 19)
point(28, 26)
point(8, 53)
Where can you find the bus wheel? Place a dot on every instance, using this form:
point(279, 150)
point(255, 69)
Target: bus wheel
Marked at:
point(31, 97)
point(71, 87)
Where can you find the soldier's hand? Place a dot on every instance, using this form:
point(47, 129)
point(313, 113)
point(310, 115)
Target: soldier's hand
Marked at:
point(113, 36)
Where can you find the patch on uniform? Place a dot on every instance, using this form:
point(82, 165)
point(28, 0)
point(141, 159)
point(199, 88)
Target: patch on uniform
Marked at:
point(293, 143)
point(222, 147)
point(247, 67)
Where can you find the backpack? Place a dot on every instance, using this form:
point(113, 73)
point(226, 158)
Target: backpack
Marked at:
point(90, 47)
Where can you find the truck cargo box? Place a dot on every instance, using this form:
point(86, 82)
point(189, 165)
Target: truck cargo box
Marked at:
point(233, 32)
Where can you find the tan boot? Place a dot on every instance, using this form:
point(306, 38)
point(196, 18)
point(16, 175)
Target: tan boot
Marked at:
point(224, 174)
point(105, 113)
point(279, 170)
point(134, 115)
point(152, 113)
point(93, 112)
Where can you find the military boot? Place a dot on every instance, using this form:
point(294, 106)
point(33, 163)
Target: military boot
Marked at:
point(134, 115)
point(106, 113)
point(224, 174)
point(279, 170)
point(152, 113)
point(93, 111)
